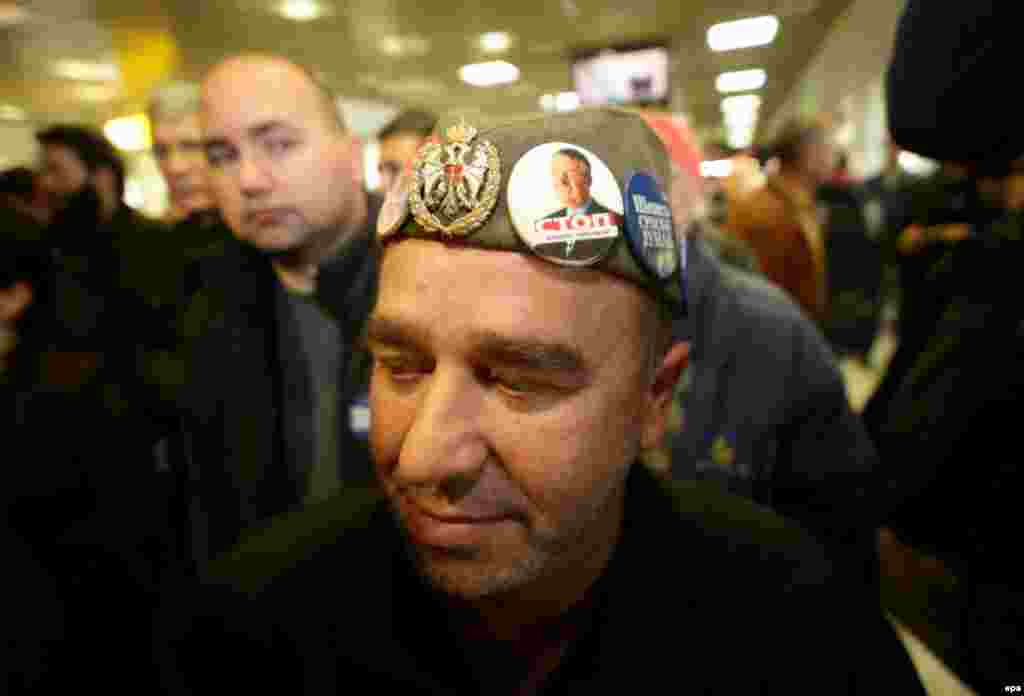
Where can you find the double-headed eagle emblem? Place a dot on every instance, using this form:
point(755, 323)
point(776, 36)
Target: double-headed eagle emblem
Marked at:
point(457, 183)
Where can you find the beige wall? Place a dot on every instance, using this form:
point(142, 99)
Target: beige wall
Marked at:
point(847, 77)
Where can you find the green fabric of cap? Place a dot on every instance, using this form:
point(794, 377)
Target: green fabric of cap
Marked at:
point(620, 138)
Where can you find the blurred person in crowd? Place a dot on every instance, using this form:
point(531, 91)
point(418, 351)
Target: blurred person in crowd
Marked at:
point(943, 211)
point(841, 172)
point(399, 141)
point(887, 208)
point(103, 244)
point(76, 160)
point(75, 495)
point(963, 392)
point(514, 545)
point(780, 219)
point(853, 262)
point(178, 148)
point(196, 225)
point(20, 190)
point(268, 335)
point(763, 409)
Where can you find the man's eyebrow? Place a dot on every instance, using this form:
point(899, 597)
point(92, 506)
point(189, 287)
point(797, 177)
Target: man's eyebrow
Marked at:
point(528, 353)
point(267, 128)
point(390, 332)
point(215, 142)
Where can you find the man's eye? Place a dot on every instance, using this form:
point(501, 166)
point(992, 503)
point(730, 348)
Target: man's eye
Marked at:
point(509, 383)
point(402, 370)
point(160, 151)
point(279, 146)
point(219, 156)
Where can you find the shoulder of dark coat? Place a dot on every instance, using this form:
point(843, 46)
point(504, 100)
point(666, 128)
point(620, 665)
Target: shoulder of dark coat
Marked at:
point(326, 532)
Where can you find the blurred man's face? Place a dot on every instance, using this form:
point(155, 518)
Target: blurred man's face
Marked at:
point(62, 174)
point(282, 171)
point(509, 399)
point(178, 148)
point(396, 153)
point(571, 181)
point(819, 159)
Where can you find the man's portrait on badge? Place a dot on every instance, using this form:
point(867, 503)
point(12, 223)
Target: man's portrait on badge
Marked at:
point(566, 203)
point(571, 180)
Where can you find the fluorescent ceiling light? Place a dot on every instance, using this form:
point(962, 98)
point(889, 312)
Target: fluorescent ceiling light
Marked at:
point(300, 10)
point(716, 168)
point(741, 111)
point(495, 41)
point(563, 101)
point(917, 165)
point(495, 72)
point(86, 71)
point(9, 112)
point(741, 80)
point(394, 45)
point(567, 101)
point(12, 13)
point(740, 137)
point(130, 133)
point(743, 33)
point(741, 102)
point(95, 93)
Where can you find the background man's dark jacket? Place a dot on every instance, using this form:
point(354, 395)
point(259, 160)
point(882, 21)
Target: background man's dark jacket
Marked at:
point(763, 382)
point(235, 448)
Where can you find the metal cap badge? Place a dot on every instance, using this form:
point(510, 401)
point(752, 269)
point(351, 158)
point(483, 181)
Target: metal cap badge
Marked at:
point(565, 203)
point(649, 227)
point(457, 183)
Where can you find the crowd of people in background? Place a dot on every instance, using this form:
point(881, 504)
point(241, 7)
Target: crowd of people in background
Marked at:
point(174, 387)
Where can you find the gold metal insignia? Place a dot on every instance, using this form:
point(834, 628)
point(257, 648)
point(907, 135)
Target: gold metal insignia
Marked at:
point(457, 183)
point(722, 453)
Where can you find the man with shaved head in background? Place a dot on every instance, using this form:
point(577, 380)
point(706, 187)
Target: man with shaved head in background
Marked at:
point(269, 329)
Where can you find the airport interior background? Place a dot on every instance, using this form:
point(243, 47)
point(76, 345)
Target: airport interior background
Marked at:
point(730, 74)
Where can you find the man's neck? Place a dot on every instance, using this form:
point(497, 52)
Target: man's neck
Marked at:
point(8, 342)
point(298, 272)
point(580, 208)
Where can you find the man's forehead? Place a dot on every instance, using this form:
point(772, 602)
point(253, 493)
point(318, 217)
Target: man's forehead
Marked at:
point(504, 292)
point(251, 90)
point(184, 125)
point(563, 161)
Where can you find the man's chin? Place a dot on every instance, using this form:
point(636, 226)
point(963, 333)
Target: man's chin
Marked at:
point(272, 242)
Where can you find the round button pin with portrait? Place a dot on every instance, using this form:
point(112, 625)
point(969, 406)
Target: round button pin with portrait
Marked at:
point(565, 204)
point(395, 209)
point(648, 223)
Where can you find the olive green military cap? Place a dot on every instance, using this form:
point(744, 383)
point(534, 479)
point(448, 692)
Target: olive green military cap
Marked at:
point(583, 189)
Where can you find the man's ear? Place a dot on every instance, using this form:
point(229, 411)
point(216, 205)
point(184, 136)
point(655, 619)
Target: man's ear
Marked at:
point(105, 182)
point(14, 300)
point(662, 389)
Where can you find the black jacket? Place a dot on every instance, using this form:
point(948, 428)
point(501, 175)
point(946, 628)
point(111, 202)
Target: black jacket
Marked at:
point(705, 590)
point(233, 446)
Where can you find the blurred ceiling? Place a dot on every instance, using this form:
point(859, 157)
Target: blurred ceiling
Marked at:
point(404, 52)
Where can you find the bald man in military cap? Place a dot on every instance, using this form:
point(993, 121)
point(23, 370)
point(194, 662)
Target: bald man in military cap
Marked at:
point(514, 545)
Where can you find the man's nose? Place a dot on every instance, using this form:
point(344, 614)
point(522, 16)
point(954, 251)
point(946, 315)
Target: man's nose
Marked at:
point(445, 448)
point(176, 162)
point(253, 175)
